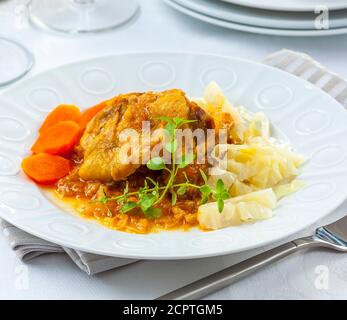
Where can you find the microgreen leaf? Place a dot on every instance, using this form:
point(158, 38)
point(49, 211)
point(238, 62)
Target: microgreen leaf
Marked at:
point(170, 127)
point(156, 163)
point(173, 198)
point(206, 191)
point(220, 204)
point(179, 121)
point(220, 186)
point(147, 202)
point(221, 194)
point(153, 213)
point(128, 207)
point(225, 195)
point(204, 200)
point(182, 190)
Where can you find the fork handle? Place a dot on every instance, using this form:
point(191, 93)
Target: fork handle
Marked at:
point(225, 277)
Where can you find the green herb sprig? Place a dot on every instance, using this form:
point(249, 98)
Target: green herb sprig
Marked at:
point(152, 194)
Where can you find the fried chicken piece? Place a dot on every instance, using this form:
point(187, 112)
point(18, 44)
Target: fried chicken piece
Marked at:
point(102, 145)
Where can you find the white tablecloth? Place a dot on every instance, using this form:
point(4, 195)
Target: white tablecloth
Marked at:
point(316, 274)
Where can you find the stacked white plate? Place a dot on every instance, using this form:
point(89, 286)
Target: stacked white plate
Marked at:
point(275, 17)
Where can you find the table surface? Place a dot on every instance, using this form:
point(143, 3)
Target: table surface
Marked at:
point(316, 274)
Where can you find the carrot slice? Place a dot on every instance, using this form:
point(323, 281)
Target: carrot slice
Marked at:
point(64, 112)
point(59, 139)
point(45, 168)
point(90, 113)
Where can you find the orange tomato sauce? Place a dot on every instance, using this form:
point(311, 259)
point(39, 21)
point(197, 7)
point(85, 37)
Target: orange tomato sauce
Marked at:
point(83, 197)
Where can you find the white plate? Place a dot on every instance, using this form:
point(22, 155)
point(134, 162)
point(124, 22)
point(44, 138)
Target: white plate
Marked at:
point(254, 29)
point(291, 5)
point(262, 18)
point(313, 121)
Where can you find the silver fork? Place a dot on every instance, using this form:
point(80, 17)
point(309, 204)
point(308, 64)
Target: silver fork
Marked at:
point(332, 236)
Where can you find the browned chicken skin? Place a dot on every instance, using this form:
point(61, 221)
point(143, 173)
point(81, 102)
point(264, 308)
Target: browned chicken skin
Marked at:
point(103, 149)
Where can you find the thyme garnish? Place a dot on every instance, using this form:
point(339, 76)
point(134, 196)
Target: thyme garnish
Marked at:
point(152, 194)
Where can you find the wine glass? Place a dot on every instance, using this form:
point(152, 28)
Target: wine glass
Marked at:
point(15, 61)
point(81, 16)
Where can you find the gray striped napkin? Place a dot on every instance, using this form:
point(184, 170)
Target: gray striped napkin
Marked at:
point(28, 247)
point(303, 66)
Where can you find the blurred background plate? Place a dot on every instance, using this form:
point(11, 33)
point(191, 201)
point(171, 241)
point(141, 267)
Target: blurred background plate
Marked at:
point(291, 5)
point(262, 18)
point(255, 29)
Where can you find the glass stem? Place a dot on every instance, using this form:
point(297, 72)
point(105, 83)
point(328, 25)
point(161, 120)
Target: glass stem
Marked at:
point(84, 7)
